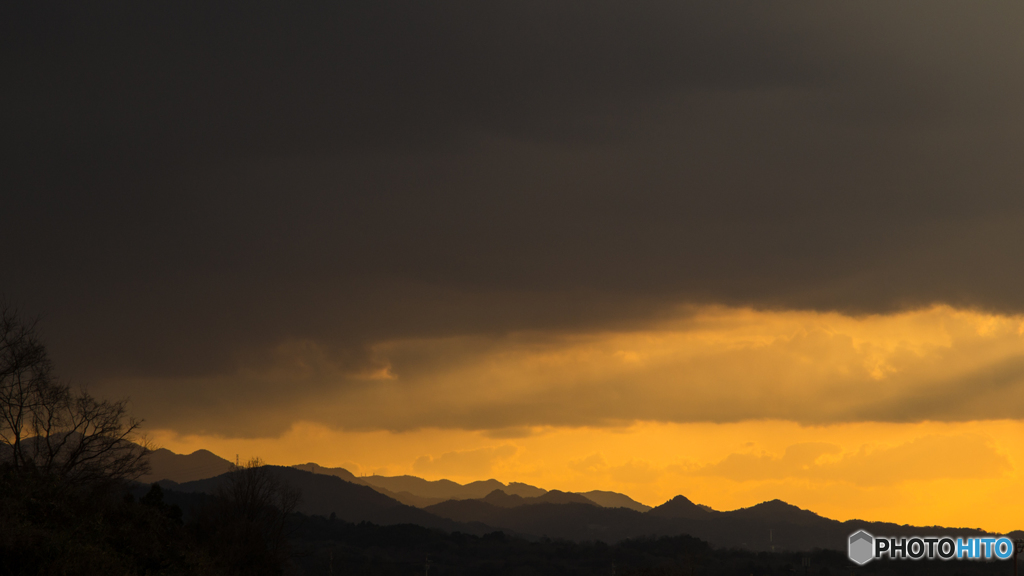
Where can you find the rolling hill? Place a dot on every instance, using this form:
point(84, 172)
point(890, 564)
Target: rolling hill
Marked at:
point(323, 494)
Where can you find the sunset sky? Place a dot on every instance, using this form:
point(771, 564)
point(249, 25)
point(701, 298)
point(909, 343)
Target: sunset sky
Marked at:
point(731, 250)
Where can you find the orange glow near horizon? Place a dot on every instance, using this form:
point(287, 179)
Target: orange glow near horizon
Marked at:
point(729, 407)
point(959, 474)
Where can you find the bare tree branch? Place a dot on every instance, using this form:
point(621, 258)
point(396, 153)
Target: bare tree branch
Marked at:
point(48, 428)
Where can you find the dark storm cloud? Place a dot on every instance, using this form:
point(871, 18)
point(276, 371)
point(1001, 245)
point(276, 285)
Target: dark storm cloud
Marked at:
point(188, 185)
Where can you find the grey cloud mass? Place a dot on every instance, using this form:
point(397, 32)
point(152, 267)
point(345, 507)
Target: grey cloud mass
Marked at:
point(186, 186)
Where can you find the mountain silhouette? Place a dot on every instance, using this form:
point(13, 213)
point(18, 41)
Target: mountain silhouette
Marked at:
point(409, 490)
point(773, 525)
point(681, 507)
point(448, 490)
point(569, 521)
point(502, 500)
point(613, 500)
point(532, 512)
point(406, 498)
point(342, 473)
point(524, 490)
point(166, 465)
point(326, 494)
point(415, 491)
point(775, 511)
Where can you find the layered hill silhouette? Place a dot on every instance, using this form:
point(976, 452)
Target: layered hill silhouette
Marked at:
point(768, 526)
point(531, 512)
point(409, 490)
point(324, 495)
point(418, 492)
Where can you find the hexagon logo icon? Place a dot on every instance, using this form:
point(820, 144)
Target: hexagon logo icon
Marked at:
point(861, 547)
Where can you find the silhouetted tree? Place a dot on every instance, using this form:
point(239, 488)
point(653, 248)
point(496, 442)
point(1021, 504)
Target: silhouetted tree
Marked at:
point(245, 526)
point(64, 457)
point(262, 500)
point(48, 429)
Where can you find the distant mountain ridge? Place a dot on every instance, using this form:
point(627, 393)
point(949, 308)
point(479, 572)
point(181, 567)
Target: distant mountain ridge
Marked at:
point(324, 495)
point(608, 499)
point(342, 473)
point(502, 500)
point(409, 490)
point(448, 490)
point(421, 493)
point(681, 507)
point(166, 465)
point(529, 511)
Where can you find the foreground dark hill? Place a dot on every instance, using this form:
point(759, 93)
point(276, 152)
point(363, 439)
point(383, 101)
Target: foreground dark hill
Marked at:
point(327, 495)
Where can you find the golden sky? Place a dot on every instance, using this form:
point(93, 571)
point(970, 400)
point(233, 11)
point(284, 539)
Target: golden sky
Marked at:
point(905, 417)
point(656, 247)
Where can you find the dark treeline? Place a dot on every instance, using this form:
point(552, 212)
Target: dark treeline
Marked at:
point(67, 462)
point(48, 526)
point(47, 529)
point(325, 546)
